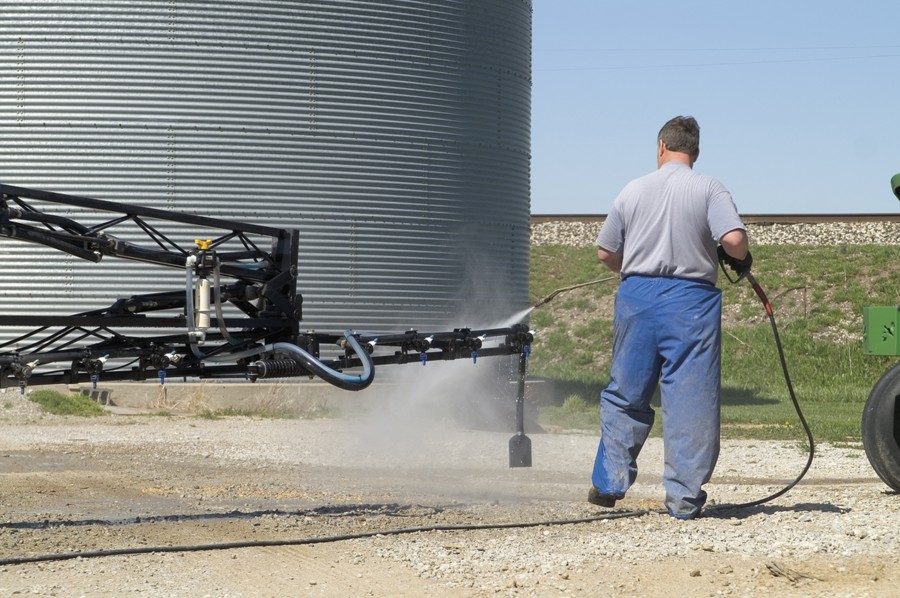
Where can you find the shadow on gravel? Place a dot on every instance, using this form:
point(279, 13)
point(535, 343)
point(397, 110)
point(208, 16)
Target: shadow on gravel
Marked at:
point(563, 389)
point(728, 512)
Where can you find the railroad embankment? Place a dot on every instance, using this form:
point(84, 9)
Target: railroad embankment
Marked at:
point(584, 233)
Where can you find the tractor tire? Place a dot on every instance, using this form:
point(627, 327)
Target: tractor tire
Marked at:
point(881, 428)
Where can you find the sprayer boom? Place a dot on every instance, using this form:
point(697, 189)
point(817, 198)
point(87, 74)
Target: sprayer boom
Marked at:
point(249, 269)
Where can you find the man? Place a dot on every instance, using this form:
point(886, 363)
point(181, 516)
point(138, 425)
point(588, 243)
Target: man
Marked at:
point(661, 235)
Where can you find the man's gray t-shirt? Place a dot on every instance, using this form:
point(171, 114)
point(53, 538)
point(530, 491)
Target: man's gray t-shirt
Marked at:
point(668, 223)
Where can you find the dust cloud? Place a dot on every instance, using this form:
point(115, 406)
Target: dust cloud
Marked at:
point(409, 411)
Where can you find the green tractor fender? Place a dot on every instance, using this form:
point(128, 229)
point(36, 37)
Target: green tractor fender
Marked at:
point(881, 415)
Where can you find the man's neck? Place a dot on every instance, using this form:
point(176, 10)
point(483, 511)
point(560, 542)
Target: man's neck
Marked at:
point(677, 157)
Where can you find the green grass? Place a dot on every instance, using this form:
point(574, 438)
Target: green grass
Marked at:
point(575, 413)
point(818, 294)
point(253, 413)
point(57, 403)
point(321, 412)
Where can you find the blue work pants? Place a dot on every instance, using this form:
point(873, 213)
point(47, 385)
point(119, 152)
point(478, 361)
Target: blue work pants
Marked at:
point(667, 334)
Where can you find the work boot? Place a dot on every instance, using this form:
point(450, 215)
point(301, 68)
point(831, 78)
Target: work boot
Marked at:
point(595, 497)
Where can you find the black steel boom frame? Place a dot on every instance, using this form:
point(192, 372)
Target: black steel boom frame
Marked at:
point(251, 267)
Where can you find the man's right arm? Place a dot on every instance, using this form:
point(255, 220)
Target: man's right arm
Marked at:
point(612, 260)
point(612, 234)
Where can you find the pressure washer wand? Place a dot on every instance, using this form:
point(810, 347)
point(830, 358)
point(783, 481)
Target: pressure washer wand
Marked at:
point(571, 288)
point(520, 444)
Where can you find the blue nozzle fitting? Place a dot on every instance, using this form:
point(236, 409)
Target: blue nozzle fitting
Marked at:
point(423, 357)
point(94, 378)
point(474, 356)
point(527, 351)
point(162, 377)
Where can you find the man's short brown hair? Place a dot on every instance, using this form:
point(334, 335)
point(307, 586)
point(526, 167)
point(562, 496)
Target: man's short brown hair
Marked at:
point(681, 134)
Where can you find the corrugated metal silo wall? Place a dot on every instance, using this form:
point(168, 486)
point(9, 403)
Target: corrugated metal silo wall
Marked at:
point(394, 135)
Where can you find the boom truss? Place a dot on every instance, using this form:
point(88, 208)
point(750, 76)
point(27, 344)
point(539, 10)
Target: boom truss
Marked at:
point(183, 332)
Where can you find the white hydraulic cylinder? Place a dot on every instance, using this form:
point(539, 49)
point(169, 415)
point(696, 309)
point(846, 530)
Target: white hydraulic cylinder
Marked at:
point(201, 305)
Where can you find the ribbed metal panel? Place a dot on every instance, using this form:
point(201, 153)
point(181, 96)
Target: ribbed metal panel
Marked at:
point(395, 135)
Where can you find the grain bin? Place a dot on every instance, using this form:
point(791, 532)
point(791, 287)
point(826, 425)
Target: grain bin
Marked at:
point(394, 135)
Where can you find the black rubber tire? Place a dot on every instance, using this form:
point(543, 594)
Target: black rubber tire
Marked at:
point(881, 428)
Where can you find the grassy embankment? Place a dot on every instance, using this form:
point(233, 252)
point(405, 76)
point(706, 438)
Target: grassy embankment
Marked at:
point(817, 294)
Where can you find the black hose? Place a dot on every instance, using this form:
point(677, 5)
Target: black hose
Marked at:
point(332, 376)
point(787, 378)
point(304, 541)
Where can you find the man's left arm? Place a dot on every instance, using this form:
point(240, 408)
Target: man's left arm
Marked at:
point(736, 243)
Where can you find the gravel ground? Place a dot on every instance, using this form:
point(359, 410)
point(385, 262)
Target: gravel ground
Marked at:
point(582, 234)
point(126, 481)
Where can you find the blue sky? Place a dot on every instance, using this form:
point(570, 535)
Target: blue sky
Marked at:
point(798, 100)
